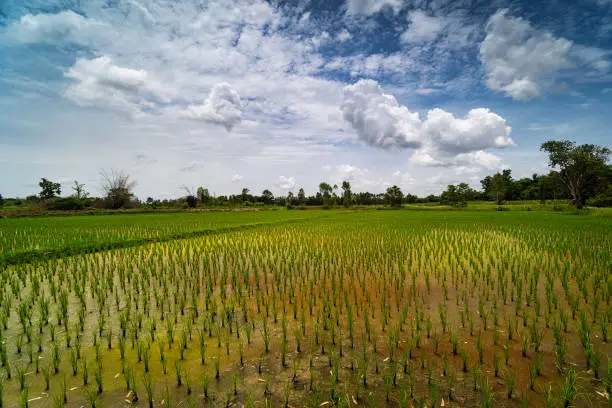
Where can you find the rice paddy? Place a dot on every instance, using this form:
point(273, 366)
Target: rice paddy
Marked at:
point(314, 308)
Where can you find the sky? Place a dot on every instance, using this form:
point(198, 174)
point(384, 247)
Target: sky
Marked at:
point(285, 94)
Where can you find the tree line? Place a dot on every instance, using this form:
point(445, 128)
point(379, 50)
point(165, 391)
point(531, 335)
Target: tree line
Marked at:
point(579, 173)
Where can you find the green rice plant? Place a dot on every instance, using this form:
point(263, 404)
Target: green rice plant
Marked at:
point(496, 366)
point(524, 345)
point(178, 372)
point(98, 377)
point(217, 367)
point(205, 387)
point(476, 375)
point(188, 382)
point(595, 362)
point(569, 390)
point(486, 399)
point(464, 360)
point(64, 390)
point(21, 377)
point(23, 398)
point(561, 354)
point(47, 376)
point(85, 373)
point(55, 357)
point(510, 384)
point(146, 380)
point(74, 361)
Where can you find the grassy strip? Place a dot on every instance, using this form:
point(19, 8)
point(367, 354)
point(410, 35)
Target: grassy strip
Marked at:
point(44, 255)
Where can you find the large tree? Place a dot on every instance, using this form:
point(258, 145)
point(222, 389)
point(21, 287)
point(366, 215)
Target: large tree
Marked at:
point(267, 197)
point(326, 192)
point(579, 166)
point(49, 189)
point(394, 196)
point(301, 196)
point(118, 188)
point(347, 194)
point(457, 196)
point(499, 188)
point(203, 195)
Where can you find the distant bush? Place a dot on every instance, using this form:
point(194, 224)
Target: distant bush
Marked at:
point(191, 201)
point(65, 204)
point(602, 200)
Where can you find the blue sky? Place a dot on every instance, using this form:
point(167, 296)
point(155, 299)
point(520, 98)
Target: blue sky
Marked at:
point(283, 95)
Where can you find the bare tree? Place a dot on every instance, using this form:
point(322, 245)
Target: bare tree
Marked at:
point(117, 187)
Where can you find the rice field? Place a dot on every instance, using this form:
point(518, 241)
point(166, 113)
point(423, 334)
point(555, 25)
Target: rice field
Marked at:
point(370, 308)
point(25, 238)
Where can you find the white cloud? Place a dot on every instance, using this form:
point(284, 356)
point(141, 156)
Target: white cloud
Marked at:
point(349, 173)
point(422, 27)
point(286, 183)
point(521, 60)
point(371, 65)
point(222, 107)
point(369, 7)
point(378, 118)
point(99, 82)
point(425, 91)
point(380, 121)
point(344, 35)
point(236, 178)
point(53, 28)
point(479, 159)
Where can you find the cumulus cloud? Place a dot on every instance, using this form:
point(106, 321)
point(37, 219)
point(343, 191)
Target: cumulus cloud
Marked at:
point(422, 27)
point(349, 172)
point(286, 183)
point(100, 82)
point(65, 26)
point(236, 178)
point(368, 7)
point(477, 159)
point(521, 60)
point(378, 118)
point(222, 107)
point(381, 121)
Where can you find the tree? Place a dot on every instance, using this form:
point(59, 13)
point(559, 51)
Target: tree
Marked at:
point(290, 199)
point(457, 196)
point(267, 197)
point(79, 191)
point(301, 196)
point(191, 200)
point(411, 198)
point(117, 187)
point(498, 188)
point(326, 192)
point(49, 189)
point(244, 194)
point(578, 166)
point(347, 195)
point(1, 200)
point(203, 195)
point(394, 196)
